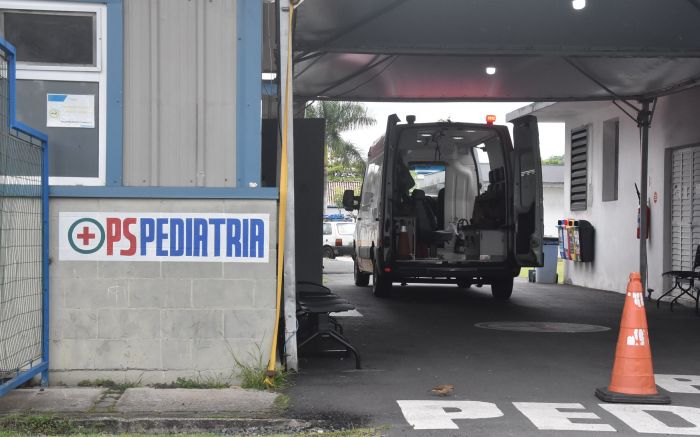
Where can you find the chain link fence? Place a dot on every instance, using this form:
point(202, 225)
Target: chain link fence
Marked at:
point(23, 209)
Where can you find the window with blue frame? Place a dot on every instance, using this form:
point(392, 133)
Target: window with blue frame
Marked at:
point(61, 82)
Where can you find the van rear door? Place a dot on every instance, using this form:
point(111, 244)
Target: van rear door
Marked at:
point(384, 220)
point(527, 192)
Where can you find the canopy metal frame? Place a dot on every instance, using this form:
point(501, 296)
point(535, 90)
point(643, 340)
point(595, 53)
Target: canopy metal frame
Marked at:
point(436, 50)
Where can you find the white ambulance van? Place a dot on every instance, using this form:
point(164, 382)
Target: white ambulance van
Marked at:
point(449, 202)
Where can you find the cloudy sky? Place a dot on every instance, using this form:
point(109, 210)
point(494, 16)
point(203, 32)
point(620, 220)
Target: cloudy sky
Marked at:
point(551, 134)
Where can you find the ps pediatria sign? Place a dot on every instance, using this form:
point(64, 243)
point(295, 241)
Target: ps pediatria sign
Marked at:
point(191, 237)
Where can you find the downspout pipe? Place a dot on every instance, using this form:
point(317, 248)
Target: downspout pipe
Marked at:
point(644, 122)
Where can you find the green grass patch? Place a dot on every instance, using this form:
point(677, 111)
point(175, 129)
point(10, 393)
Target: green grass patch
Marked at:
point(282, 402)
point(253, 374)
point(206, 383)
point(110, 385)
point(255, 377)
point(35, 424)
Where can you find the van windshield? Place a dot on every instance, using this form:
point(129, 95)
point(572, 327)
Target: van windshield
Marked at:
point(429, 177)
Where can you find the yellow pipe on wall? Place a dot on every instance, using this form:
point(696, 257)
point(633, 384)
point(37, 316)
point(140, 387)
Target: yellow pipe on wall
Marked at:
point(272, 363)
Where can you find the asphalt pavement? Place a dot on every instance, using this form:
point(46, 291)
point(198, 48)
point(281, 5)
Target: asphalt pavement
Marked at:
point(505, 383)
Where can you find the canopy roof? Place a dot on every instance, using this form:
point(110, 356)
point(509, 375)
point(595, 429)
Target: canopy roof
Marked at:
point(543, 50)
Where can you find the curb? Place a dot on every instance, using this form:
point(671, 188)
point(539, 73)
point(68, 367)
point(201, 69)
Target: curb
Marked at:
point(175, 425)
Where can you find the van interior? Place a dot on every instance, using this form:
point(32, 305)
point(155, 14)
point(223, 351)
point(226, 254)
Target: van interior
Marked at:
point(450, 195)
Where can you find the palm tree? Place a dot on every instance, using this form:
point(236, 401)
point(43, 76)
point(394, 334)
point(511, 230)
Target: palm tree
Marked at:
point(343, 159)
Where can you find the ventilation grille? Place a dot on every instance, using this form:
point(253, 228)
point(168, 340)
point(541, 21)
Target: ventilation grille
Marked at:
point(579, 169)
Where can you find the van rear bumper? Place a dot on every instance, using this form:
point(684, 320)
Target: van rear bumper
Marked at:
point(401, 272)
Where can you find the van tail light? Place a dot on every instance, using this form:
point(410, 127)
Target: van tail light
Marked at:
point(338, 241)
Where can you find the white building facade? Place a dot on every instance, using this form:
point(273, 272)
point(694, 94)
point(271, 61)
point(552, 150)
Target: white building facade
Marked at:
point(600, 186)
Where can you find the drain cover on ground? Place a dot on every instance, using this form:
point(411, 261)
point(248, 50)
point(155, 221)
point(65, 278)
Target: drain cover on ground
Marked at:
point(541, 327)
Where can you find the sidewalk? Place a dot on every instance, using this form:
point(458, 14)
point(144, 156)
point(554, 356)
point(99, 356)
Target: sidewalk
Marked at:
point(150, 410)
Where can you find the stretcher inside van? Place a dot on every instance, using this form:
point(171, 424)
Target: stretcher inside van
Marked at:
point(449, 203)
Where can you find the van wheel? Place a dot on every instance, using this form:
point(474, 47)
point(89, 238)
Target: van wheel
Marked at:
point(463, 283)
point(502, 289)
point(381, 285)
point(328, 252)
point(361, 278)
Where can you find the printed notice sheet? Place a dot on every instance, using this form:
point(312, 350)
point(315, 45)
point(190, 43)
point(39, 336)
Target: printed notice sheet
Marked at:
point(70, 110)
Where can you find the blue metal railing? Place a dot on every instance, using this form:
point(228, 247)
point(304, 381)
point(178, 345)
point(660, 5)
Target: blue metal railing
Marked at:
point(24, 240)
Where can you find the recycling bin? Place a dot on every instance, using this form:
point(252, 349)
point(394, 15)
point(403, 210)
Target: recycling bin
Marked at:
point(547, 274)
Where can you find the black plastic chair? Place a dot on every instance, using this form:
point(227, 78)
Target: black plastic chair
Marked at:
point(427, 227)
point(684, 280)
point(315, 303)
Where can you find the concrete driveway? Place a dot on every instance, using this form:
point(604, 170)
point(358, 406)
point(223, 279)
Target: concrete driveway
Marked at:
point(505, 382)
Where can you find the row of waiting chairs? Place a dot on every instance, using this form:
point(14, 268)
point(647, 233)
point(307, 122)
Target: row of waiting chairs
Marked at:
point(317, 327)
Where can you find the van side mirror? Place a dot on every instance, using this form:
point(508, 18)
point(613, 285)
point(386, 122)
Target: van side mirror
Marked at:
point(350, 201)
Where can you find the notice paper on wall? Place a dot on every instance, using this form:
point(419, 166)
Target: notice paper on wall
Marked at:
point(70, 110)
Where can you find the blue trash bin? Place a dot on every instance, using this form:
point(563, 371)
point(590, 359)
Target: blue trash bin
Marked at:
point(547, 274)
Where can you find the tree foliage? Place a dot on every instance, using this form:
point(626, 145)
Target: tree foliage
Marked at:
point(344, 162)
point(554, 160)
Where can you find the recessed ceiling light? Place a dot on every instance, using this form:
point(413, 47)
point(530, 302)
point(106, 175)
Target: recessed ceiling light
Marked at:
point(490, 70)
point(578, 4)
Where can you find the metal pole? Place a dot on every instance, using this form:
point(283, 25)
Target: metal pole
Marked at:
point(290, 300)
point(643, 120)
point(45, 262)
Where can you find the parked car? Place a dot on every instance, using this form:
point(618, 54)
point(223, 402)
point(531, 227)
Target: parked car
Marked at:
point(337, 238)
point(449, 202)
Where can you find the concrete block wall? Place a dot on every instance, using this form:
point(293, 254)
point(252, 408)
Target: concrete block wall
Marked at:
point(155, 321)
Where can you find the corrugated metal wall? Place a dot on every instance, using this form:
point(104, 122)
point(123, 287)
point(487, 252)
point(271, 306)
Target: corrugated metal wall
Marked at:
point(180, 93)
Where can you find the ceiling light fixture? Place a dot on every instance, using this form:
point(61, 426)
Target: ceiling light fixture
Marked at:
point(578, 4)
point(490, 70)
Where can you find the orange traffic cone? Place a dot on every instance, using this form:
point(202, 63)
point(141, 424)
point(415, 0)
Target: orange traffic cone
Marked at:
point(632, 378)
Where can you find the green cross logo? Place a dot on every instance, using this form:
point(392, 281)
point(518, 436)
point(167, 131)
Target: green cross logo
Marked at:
point(90, 237)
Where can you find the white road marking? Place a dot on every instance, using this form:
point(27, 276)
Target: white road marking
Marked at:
point(351, 313)
point(689, 384)
point(548, 417)
point(441, 414)
point(433, 414)
point(638, 418)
